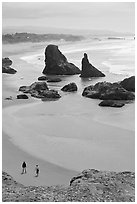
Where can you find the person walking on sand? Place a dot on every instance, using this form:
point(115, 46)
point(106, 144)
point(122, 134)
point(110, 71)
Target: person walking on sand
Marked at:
point(24, 168)
point(37, 170)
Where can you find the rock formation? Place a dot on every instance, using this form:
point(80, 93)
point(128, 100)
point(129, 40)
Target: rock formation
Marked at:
point(89, 186)
point(22, 96)
point(107, 91)
point(42, 78)
point(8, 98)
point(112, 103)
point(54, 80)
point(129, 83)
point(56, 63)
point(88, 70)
point(6, 63)
point(70, 87)
point(40, 90)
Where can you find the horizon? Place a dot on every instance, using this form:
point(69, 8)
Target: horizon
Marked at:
point(63, 17)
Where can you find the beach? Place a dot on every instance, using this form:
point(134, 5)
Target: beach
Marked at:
point(72, 134)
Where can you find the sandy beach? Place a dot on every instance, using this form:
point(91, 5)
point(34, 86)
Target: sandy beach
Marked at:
point(66, 136)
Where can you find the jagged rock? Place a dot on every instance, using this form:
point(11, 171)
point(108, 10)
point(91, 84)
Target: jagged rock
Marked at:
point(129, 83)
point(88, 70)
point(111, 103)
point(36, 86)
point(56, 63)
point(54, 80)
point(89, 186)
point(70, 87)
point(51, 94)
point(6, 62)
point(40, 90)
point(22, 96)
point(42, 78)
point(107, 91)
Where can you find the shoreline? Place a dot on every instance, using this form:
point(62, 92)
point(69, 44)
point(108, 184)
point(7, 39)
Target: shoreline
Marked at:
point(63, 175)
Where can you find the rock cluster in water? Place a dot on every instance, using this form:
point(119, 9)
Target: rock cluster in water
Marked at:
point(88, 70)
point(89, 186)
point(40, 90)
point(6, 63)
point(113, 94)
point(57, 64)
point(107, 91)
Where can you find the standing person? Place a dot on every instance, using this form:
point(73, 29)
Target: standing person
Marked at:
point(37, 170)
point(24, 168)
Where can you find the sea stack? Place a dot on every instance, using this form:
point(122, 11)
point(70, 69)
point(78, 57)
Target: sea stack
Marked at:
point(57, 64)
point(88, 70)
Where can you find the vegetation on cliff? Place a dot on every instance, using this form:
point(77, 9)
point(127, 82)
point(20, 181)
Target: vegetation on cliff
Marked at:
point(89, 186)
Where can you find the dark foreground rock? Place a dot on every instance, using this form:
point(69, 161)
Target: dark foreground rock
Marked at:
point(89, 186)
point(108, 91)
point(40, 90)
point(22, 96)
point(6, 63)
point(88, 70)
point(111, 103)
point(129, 83)
point(57, 64)
point(70, 87)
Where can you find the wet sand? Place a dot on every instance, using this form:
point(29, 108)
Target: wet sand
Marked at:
point(64, 137)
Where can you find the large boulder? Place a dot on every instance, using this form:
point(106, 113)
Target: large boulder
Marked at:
point(129, 83)
point(88, 70)
point(40, 90)
point(6, 62)
point(107, 91)
point(57, 64)
point(70, 87)
point(112, 103)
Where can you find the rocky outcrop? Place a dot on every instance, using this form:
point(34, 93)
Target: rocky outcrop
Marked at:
point(54, 80)
point(49, 79)
point(89, 186)
point(112, 103)
point(48, 94)
point(40, 90)
point(57, 64)
point(22, 96)
point(42, 78)
point(70, 87)
point(6, 63)
point(88, 70)
point(107, 91)
point(129, 83)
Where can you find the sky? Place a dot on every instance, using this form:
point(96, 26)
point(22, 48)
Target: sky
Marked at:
point(114, 16)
